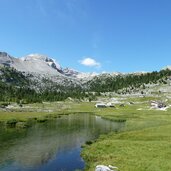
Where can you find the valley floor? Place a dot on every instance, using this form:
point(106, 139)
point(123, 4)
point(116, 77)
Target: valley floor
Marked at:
point(144, 144)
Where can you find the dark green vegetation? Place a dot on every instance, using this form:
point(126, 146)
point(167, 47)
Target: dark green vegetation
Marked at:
point(17, 87)
point(14, 86)
point(131, 81)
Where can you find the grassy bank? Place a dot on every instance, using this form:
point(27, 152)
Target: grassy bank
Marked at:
point(143, 145)
point(143, 150)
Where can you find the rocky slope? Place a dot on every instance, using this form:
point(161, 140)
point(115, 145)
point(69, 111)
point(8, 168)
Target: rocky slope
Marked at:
point(44, 72)
point(37, 78)
point(41, 69)
point(33, 63)
point(40, 64)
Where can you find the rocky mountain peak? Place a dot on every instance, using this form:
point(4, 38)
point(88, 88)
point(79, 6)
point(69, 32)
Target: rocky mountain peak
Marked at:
point(36, 57)
point(70, 72)
point(40, 62)
point(5, 59)
point(4, 54)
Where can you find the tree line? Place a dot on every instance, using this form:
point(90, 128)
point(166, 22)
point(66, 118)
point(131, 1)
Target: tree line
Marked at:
point(16, 87)
point(113, 84)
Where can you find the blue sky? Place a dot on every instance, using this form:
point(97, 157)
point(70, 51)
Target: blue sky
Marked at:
point(90, 35)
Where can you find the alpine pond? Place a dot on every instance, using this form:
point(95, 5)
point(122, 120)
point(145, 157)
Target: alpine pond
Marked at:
point(53, 145)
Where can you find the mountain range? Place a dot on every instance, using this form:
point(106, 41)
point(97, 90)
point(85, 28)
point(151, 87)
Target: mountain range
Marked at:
point(41, 65)
point(44, 65)
point(38, 77)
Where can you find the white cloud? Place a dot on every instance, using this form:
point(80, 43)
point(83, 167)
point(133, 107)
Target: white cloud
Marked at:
point(90, 62)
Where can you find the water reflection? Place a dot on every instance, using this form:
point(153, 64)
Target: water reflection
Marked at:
point(54, 145)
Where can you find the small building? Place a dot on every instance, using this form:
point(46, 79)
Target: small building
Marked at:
point(100, 105)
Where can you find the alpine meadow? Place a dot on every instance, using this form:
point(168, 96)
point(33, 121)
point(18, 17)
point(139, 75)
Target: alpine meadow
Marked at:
point(85, 85)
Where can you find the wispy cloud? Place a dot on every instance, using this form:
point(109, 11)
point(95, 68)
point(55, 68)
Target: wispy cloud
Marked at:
point(96, 40)
point(76, 6)
point(41, 7)
point(90, 62)
point(63, 10)
point(69, 11)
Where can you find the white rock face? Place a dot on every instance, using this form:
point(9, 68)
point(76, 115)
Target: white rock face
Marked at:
point(70, 72)
point(79, 75)
point(36, 63)
point(87, 76)
point(42, 65)
point(33, 63)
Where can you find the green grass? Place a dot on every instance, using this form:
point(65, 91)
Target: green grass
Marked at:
point(144, 144)
point(143, 150)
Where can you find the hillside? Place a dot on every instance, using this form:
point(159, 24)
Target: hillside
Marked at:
point(39, 78)
point(129, 82)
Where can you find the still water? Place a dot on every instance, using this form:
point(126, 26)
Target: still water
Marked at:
point(51, 146)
